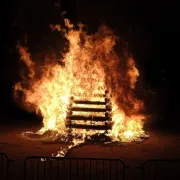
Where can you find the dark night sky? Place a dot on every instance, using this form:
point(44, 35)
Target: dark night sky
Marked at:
point(153, 40)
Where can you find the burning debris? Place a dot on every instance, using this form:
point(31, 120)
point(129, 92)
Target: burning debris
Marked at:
point(88, 94)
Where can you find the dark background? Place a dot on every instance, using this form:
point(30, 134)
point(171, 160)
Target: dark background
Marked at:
point(150, 27)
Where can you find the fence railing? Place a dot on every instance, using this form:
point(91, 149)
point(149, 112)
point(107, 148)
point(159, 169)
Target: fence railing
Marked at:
point(56, 168)
point(161, 169)
point(4, 166)
point(60, 168)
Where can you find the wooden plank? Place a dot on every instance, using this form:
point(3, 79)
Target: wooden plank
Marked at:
point(89, 118)
point(89, 102)
point(93, 127)
point(93, 95)
point(88, 109)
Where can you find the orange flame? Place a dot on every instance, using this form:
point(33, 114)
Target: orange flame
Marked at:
point(91, 66)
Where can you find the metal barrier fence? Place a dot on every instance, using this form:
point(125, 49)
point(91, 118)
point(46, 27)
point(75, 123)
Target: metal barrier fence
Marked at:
point(4, 166)
point(56, 168)
point(161, 169)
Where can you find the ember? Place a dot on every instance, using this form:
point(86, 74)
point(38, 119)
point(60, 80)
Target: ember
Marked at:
point(89, 91)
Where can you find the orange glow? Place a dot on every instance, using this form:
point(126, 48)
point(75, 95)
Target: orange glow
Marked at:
point(91, 67)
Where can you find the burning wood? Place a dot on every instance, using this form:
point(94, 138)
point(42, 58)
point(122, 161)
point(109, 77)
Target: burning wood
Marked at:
point(89, 102)
point(94, 127)
point(94, 84)
point(89, 122)
point(88, 109)
point(92, 118)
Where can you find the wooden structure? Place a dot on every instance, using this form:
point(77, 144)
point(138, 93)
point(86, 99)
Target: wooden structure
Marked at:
point(106, 124)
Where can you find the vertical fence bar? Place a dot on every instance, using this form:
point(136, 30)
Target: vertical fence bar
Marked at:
point(77, 168)
point(90, 170)
point(4, 166)
point(103, 169)
point(97, 169)
point(44, 169)
point(110, 169)
point(32, 170)
point(116, 170)
point(57, 173)
point(51, 169)
point(123, 170)
point(2, 159)
point(83, 168)
point(38, 170)
point(155, 171)
point(70, 168)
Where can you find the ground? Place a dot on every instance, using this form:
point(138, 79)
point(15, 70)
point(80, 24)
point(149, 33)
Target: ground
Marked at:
point(161, 144)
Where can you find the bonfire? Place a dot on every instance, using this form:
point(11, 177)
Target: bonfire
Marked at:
point(88, 92)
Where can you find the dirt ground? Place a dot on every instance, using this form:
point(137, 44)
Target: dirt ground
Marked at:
point(159, 145)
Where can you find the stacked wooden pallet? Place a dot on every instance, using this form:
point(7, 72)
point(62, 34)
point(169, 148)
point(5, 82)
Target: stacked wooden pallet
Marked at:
point(77, 109)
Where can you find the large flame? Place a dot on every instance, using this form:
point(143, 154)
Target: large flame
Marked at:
point(88, 68)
